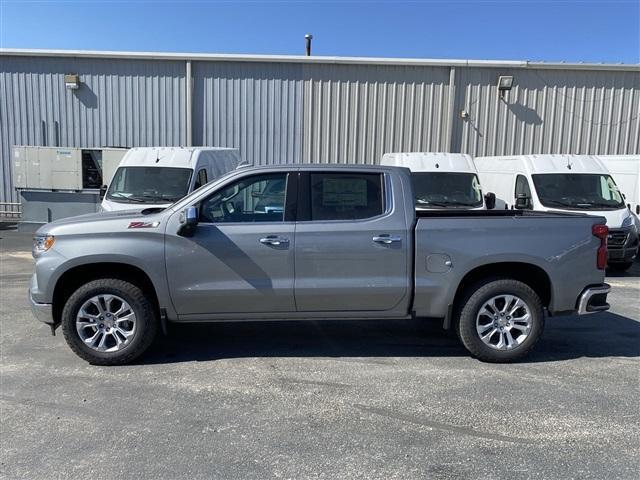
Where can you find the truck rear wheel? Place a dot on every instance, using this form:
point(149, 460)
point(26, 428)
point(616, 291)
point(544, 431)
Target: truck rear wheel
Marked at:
point(109, 322)
point(500, 320)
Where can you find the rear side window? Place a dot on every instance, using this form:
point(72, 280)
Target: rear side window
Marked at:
point(345, 196)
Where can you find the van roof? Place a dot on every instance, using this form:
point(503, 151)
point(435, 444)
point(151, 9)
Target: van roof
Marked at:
point(626, 164)
point(177, 157)
point(430, 161)
point(547, 163)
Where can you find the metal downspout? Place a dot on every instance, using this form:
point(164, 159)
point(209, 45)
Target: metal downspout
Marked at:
point(189, 103)
point(450, 107)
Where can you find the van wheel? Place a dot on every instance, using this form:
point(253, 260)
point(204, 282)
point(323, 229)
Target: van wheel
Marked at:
point(109, 322)
point(500, 320)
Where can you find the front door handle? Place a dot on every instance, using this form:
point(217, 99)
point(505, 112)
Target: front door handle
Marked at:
point(386, 239)
point(275, 241)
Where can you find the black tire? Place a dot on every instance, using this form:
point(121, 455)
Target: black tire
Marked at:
point(146, 321)
point(473, 300)
point(620, 267)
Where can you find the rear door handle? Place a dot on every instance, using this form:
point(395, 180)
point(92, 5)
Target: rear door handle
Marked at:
point(386, 239)
point(275, 241)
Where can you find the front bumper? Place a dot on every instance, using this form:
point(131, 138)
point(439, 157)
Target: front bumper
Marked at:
point(42, 311)
point(594, 299)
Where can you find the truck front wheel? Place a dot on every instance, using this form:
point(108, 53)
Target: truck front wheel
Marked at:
point(500, 320)
point(109, 322)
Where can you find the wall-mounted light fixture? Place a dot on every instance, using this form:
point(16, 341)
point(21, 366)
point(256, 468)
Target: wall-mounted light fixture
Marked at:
point(72, 81)
point(505, 83)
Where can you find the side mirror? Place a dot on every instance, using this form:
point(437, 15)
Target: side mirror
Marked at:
point(103, 191)
point(490, 200)
point(188, 222)
point(523, 201)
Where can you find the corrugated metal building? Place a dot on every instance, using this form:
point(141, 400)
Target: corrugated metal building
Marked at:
point(280, 109)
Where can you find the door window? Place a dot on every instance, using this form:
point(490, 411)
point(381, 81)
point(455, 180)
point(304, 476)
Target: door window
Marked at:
point(259, 198)
point(201, 179)
point(345, 196)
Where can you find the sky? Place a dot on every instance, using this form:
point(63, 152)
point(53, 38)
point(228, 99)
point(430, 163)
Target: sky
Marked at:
point(551, 30)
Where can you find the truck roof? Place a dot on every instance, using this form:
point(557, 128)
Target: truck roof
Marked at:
point(430, 161)
point(551, 163)
point(177, 157)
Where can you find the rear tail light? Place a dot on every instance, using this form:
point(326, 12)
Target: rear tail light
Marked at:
point(601, 232)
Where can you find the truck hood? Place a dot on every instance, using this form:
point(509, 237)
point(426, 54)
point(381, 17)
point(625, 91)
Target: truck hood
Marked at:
point(106, 222)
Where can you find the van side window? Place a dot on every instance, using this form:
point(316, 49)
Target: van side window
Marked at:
point(258, 198)
point(201, 179)
point(522, 186)
point(345, 196)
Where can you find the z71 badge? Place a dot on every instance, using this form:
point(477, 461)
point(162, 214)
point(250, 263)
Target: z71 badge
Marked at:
point(143, 224)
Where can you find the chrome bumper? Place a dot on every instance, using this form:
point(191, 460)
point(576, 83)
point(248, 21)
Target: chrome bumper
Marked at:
point(42, 311)
point(594, 299)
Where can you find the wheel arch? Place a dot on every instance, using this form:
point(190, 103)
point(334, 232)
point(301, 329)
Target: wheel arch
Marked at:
point(76, 276)
point(532, 275)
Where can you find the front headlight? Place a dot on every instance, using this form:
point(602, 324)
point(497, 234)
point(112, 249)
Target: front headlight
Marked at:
point(42, 243)
point(627, 222)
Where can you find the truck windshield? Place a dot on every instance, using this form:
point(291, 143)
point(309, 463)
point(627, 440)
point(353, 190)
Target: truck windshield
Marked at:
point(149, 184)
point(579, 191)
point(446, 190)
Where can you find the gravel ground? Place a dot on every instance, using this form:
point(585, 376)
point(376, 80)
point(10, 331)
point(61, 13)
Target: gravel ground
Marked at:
point(320, 399)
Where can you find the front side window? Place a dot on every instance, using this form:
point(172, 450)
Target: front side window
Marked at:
point(522, 186)
point(446, 189)
point(201, 179)
point(149, 184)
point(579, 191)
point(346, 196)
point(259, 198)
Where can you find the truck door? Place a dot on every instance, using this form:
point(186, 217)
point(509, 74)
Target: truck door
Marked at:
point(351, 244)
point(240, 259)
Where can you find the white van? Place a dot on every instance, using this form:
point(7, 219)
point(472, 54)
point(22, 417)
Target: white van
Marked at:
point(625, 170)
point(159, 176)
point(572, 183)
point(442, 180)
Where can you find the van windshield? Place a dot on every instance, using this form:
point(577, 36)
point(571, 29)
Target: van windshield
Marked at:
point(149, 184)
point(446, 190)
point(580, 191)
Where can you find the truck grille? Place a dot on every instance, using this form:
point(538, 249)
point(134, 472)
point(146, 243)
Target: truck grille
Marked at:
point(616, 239)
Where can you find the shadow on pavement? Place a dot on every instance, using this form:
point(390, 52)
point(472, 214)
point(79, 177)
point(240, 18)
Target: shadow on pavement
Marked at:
point(632, 272)
point(565, 338)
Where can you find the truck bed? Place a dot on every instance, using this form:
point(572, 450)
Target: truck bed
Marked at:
point(451, 244)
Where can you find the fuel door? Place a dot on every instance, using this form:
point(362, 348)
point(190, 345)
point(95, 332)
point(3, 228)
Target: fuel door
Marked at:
point(439, 263)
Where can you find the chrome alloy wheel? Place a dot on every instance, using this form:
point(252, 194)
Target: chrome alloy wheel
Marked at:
point(106, 323)
point(504, 322)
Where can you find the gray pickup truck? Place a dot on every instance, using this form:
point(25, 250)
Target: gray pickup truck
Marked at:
point(314, 242)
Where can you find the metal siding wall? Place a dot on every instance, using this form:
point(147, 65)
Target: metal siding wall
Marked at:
point(326, 113)
point(256, 107)
point(548, 111)
point(356, 113)
point(119, 103)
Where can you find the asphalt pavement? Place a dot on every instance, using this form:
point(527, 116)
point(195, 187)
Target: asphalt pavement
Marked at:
point(342, 399)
